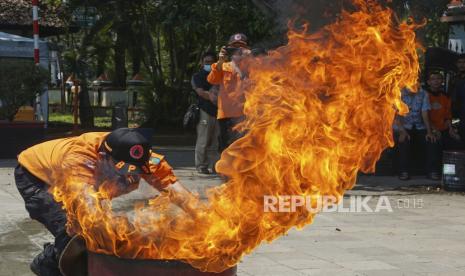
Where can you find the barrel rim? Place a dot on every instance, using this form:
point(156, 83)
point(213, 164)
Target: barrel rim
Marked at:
point(454, 151)
point(162, 263)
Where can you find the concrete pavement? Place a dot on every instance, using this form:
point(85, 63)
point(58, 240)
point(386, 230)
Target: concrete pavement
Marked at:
point(423, 235)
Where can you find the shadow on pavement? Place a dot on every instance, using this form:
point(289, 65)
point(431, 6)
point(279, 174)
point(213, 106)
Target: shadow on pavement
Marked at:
point(392, 183)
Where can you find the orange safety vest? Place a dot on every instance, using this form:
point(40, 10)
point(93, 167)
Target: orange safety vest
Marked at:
point(231, 95)
point(54, 160)
point(440, 111)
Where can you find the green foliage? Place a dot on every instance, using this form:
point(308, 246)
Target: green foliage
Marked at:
point(164, 39)
point(182, 31)
point(434, 33)
point(100, 121)
point(151, 106)
point(20, 81)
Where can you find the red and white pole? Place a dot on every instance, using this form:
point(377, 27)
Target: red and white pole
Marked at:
point(35, 24)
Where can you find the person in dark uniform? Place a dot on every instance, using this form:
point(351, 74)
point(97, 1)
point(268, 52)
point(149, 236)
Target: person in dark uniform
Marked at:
point(206, 146)
point(457, 94)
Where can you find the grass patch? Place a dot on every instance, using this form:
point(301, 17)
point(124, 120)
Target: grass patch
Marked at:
point(99, 121)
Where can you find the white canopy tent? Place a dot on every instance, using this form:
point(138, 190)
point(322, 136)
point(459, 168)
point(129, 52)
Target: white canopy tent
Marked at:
point(14, 46)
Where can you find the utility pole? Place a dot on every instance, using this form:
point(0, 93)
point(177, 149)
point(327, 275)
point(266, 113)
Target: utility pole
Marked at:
point(35, 27)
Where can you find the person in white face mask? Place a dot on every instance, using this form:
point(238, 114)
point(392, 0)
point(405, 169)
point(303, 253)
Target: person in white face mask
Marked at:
point(206, 148)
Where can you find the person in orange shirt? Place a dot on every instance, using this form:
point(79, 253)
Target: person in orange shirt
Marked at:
point(230, 73)
point(440, 116)
point(113, 162)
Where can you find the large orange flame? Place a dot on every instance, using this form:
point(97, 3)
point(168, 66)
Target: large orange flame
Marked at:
point(318, 110)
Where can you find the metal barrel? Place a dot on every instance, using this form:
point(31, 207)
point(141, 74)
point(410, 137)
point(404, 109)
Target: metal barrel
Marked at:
point(106, 265)
point(453, 172)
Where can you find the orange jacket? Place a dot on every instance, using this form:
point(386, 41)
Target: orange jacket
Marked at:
point(440, 111)
point(231, 94)
point(57, 160)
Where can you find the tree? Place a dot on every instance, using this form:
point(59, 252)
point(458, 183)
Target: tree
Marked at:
point(434, 33)
point(160, 39)
point(20, 81)
point(321, 12)
point(164, 39)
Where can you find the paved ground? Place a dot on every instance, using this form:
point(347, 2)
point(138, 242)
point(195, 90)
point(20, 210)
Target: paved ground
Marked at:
point(424, 235)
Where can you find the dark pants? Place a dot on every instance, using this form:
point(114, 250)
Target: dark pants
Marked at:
point(227, 133)
point(433, 151)
point(43, 208)
point(449, 143)
point(462, 134)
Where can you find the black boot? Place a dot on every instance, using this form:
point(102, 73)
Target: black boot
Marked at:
point(46, 264)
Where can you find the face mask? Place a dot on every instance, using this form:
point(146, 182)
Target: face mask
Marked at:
point(207, 67)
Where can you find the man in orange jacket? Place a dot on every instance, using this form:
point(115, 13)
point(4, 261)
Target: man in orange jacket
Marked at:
point(230, 74)
point(114, 161)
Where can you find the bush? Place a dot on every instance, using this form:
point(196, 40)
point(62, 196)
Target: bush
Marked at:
point(20, 81)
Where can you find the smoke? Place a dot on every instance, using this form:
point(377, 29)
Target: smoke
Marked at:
point(109, 181)
point(297, 13)
point(316, 12)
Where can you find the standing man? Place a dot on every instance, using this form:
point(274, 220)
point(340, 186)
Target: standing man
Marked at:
point(206, 146)
point(113, 162)
point(230, 73)
point(440, 116)
point(414, 128)
point(457, 93)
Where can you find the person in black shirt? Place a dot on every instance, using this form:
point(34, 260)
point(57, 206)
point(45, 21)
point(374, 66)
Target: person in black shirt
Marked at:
point(457, 93)
point(206, 148)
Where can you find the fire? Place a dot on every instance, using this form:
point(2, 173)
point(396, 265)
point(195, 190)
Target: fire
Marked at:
point(318, 110)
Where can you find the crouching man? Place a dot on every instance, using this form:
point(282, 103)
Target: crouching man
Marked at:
point(116, 160)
